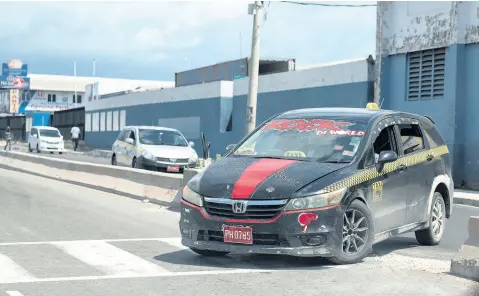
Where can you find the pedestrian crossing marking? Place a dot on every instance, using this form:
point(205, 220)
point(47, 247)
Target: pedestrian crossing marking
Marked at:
point(109, 259)
point(12, 272)
point(113, 262)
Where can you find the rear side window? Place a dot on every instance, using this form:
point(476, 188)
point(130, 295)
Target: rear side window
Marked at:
point(433, 137)
point(411, 138)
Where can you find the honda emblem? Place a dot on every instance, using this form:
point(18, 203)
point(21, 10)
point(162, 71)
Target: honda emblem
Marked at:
point(239, 207)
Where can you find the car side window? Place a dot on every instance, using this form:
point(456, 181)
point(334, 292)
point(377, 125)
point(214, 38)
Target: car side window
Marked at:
point(433, 137)
point(132, 135)
point(32, 131)
point(121, 136)
point(126, 135)
point(385, 141)
point(411, 138)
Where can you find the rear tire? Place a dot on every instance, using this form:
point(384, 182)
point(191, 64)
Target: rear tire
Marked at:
point(209, 253)
point(437, 221)
point(357, 234)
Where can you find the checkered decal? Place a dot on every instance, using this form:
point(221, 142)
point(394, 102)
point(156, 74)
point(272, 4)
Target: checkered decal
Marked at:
point(371, 173)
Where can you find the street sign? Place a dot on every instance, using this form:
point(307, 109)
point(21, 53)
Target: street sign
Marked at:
point(14, 82)
point(14, 69)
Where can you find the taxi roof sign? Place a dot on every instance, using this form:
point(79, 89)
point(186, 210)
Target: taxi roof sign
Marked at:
point(372, 106)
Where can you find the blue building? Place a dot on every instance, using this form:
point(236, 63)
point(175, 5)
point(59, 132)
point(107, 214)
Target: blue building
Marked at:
point(218, 108)
point(430, 66)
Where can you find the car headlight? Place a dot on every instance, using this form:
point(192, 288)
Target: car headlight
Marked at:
point(192, 197)
point(194, 157)
point(148, 155)
point(320, 200)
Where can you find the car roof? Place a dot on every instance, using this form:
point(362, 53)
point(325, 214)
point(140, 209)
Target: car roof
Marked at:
point(45, 127)
point(158, 128)
point(353, 113)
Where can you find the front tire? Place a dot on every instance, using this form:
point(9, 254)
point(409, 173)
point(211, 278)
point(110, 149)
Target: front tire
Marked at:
point(437, 221)
point(38, 149)
point(209, 253)
point(113, 160)
point(30, 148)
point(357, 234)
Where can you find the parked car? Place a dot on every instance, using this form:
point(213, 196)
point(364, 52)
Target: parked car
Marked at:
point(153, 148)
point(327, 182)
point(45, 138)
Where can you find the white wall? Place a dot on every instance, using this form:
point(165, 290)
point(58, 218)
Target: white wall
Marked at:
point(413, 26)
point(64, 100)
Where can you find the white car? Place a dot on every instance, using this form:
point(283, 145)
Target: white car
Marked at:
point(153, 148)
point(45, 138)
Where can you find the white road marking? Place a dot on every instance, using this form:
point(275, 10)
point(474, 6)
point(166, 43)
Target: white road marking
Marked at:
point(164, 274)
point(10, 271)
point(174, 241)
point(14, 293)
point(95, 240)
point(109, 259)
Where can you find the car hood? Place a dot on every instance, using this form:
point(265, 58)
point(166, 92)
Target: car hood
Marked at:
point(169, 151)
point(259, 178)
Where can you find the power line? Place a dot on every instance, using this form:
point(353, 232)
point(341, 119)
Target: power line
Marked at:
point(329, 5)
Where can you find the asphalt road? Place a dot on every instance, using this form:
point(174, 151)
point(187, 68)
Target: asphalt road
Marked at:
point(60, 239)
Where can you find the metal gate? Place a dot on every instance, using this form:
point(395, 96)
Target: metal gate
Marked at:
point(17, 127)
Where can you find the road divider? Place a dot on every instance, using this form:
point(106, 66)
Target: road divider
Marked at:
point(466, 263)
point(160, 188)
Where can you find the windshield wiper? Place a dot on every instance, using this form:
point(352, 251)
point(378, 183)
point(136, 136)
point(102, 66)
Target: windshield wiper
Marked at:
point(335, 161)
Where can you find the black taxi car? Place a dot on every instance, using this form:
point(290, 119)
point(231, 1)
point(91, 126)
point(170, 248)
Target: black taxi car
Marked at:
point(327, 182)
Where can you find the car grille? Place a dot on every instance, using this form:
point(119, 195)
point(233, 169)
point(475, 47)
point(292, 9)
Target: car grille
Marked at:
point(177, 160)
point(265, 239)
point(255, 209)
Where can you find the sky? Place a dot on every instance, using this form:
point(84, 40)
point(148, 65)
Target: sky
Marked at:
point(155, 39)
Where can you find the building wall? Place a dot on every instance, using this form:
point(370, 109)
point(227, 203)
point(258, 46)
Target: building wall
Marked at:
point(219, 108)
point(410, 29)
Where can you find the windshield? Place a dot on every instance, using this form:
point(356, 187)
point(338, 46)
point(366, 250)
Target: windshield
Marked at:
point(315, 139)
point(161, 137)
point(49, 133)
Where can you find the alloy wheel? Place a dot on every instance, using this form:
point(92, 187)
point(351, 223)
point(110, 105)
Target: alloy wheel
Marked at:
point(355, 232)
point(437, 222)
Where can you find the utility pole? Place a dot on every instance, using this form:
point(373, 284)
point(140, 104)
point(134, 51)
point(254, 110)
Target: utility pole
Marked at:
point(75, 78)
point(254, 68)
point(379, 54)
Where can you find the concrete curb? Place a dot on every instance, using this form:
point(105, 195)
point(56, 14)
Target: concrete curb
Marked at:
point(466, 201)
point(159, 188)
point(466, 264)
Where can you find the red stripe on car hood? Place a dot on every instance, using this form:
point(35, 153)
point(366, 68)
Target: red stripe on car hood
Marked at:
point(256, 174)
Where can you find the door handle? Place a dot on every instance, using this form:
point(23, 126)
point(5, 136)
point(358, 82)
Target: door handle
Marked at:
point(401, 168)
point(430, 157)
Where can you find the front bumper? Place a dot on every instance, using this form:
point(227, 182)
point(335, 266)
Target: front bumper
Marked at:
point(162, 166)
point(281, 235)
point(52, 147)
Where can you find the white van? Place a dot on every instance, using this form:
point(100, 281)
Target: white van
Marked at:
point(45, 138)
point(153, 148)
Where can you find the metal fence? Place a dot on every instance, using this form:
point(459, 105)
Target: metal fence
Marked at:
point(17, 127)
point(66, 119)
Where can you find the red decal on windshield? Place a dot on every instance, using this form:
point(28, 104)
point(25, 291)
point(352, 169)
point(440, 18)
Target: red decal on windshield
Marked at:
point(256, 174)
point(306, 125)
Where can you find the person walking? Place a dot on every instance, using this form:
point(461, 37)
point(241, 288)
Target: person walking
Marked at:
point(8, 138)
point(75, 136)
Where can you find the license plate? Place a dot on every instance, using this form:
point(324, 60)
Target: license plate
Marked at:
point(173, 169)
point(238, 235)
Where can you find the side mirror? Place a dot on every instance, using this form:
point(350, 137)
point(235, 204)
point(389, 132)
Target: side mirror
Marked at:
point(130, 141)
point(386, 157)
point(192, 144)
point(35, 135)
point(230, 147)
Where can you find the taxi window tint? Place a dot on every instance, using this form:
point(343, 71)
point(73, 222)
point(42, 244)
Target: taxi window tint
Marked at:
point(314, 139)
point(411, 138)
point(433, 137)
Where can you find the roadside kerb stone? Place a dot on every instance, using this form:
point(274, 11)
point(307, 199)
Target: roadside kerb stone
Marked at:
point(466, 263)
point(157, 187)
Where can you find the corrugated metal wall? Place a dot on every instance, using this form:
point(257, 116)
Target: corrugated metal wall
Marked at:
point(65, 120)
point(17, 127)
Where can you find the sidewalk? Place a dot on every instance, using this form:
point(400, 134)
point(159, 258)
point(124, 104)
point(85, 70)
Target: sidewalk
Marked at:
point(466, 197)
